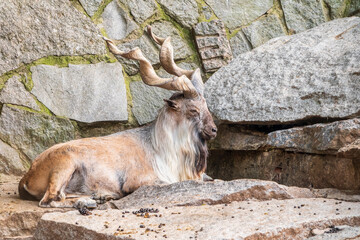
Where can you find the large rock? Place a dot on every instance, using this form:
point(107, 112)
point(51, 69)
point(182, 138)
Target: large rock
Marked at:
point(309, 75)
point(301, 15)
point(213, 45)
point(34, 29)
point(288, 168)
point(33, 133)
point(351, 150)
point(90, 6)
point(147, 101)
point(14, 93)
point(262, 30)
point(117, 23)
point(184, 11)
point(10, 161)
point(141, 9)
point(237, 13)
point(275, 219)
point(318, 138)
point(196, 193)
point(86, 93)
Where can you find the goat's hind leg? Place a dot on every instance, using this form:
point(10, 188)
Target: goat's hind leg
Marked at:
point(55, 193)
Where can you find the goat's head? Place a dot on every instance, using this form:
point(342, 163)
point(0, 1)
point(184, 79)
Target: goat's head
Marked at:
point(187, 104)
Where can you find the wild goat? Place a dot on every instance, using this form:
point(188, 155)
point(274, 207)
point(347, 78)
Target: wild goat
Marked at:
point(170, 149)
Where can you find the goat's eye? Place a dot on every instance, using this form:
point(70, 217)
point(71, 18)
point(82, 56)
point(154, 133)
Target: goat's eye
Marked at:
point(194, 111)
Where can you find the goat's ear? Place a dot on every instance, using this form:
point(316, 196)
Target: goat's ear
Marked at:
point(172, 104)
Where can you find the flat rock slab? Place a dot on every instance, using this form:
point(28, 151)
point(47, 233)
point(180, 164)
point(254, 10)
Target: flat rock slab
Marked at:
point(189, 193)
point(86, 93)
point(274, 219)
point(292, 78)
point(317, 138)
point(34, 29)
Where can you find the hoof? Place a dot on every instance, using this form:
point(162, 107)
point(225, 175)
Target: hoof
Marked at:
point(85, 202)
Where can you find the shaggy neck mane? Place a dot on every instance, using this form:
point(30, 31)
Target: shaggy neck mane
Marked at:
point(180, 153)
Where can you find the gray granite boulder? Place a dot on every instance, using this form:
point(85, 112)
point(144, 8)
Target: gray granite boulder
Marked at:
point(14, 93)
point(116, 22)
point(32, 133)
point(34, 29)
point(313, 74)
point(237, 13)
point(301, 15)
point(317, 138)
point(141, 9)
point(86, 93)
point(184, 11)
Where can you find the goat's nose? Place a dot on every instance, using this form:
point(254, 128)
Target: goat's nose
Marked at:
point(214, 130)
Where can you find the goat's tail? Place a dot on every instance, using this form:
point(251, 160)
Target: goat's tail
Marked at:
point(23, 193)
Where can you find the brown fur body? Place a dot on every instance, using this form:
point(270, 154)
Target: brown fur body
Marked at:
point(172, 148)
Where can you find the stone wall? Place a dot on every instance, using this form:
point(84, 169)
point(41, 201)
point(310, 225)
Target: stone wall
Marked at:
point(59, 82)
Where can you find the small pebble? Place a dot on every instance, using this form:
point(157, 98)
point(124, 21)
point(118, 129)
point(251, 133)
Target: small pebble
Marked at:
point(142, 226)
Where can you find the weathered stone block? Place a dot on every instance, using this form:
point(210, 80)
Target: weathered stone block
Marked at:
point(140, 9)
point(90, 6)
point(340, 8)
point(301, 15)
point(240, 44)
point(262, 30)
point(34, 29)
point(10, 161)
point(237, 13)
point(86, 93)
point(14, 93)
point(310, 75)
point(147, 101)
point(213, 45)
point(33, 133)
point(184, 11)
point(117, 23)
